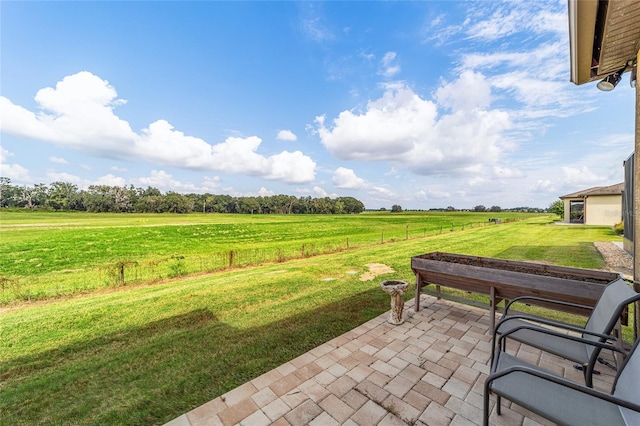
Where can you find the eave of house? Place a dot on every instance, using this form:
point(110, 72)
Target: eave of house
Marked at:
point(604, 36)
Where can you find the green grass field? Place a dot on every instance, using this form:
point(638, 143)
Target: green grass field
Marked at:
point(148, 352)
point(45, 255)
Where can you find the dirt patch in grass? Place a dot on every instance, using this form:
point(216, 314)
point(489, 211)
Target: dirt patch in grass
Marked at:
point(375, 269)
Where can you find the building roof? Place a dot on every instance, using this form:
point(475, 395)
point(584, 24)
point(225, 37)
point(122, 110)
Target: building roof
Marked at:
point(597, 190)
point(603, 37)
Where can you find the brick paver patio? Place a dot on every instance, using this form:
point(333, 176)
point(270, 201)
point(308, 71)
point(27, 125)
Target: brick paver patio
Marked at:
point(430, 370)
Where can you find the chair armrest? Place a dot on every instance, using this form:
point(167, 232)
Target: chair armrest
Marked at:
point(601, 345)
point(542, 299)
point(563, 382)
point(554, 324)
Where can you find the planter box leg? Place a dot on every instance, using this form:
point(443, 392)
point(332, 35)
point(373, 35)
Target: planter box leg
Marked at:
point(416, 305)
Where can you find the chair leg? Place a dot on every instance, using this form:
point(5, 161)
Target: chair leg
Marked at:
point(588, 375)
point(498, 401)
point(487, 395)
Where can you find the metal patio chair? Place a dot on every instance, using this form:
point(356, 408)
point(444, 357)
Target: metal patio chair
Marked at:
point(551, 336)
point(563, 401)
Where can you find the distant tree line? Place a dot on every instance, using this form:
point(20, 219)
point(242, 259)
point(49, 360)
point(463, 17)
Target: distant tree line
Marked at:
point(64, 196)
point(481, 208)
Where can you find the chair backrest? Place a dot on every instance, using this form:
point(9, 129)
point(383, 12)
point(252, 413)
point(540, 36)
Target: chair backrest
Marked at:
point(605, 314)
point(626, 384)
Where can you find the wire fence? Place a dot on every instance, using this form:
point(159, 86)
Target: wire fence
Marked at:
point(141, 269)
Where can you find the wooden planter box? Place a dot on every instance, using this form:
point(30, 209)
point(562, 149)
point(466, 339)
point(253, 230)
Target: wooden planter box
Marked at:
point(508, 279)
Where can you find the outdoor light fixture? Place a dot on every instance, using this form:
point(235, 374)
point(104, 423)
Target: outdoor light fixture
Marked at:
point(634, 76)
point(611, 81)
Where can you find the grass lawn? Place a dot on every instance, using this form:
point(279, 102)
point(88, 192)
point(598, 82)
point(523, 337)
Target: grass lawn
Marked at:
point(146, 353)
point(46, 255)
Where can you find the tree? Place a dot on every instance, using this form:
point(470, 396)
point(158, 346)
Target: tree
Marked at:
point(63, 196)
point(495, 209)
point(396, 208)
point(122, 198)
point(98, 199)
point(174, 202)
point(480, 208)
point(557, 207)
point(352, 205)
point(5, 188)
point(10, 195)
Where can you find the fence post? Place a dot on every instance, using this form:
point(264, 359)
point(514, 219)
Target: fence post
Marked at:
point(230, 258)
point(382, 240)
point(406, 232)
point(347, 243)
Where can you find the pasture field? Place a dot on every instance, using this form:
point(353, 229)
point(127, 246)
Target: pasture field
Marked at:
point(44, 255)
point(146, 353)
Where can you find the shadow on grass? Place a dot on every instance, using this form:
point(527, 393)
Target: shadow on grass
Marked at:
point(152, 374)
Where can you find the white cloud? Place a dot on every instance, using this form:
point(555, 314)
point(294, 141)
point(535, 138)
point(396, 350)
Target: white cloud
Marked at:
point(389, 66)
point(211, 184)
point(316, 31)
point(319, 192)
point(313, 24)
point(346, 179)
point(53, 176)
point(478, 181)
point(470, 91)
point(432, 194)
point(165, 182)
point(264, 192)
point(389, 128)
point(367, 56)
point(404, 128)
point(381, 191)
point(118, 169)
point(15, 172)
point(110, 180)
point(5, 154)
point(58, 160)
point(79, 112)
point(581, 176)
point(545, 186)
point(528, 17)
point(286, 135)
point(501, 24)
point(506, 172)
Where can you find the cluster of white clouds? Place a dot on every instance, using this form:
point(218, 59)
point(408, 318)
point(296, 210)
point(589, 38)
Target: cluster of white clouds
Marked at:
point(12, 170)
point(466, 128)
point(460, 131)
point(411, 132)
point(345, 178)
point(79, 113)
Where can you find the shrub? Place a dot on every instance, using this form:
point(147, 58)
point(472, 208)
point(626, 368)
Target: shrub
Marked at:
point(618, 228)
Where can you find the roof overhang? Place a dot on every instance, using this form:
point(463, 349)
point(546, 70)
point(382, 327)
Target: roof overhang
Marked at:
point(604, 37)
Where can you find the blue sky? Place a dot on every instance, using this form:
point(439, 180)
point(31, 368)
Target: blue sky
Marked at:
point(422, 104)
